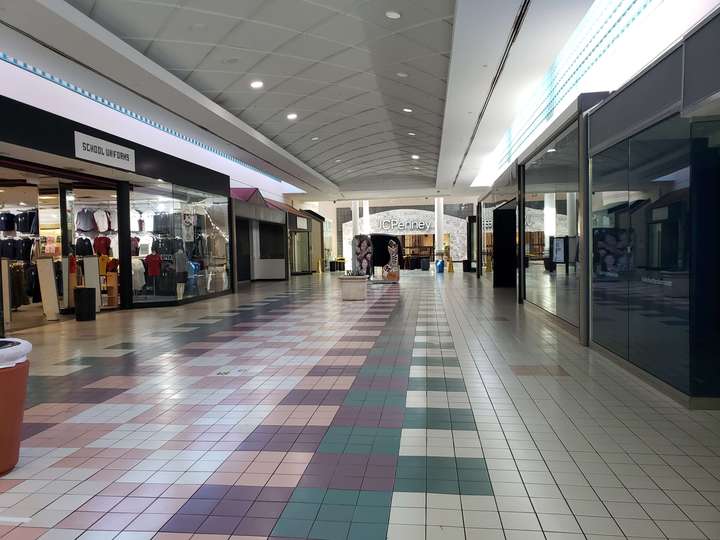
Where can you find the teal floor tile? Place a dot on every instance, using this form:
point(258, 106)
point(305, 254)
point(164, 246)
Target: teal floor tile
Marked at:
point(292, 528)
point(416, 485)
point(295, 510)
point(448, 487)
point(308, 495)
point(368, 531)
point(375, 498)
point(329, 530)
point(341, 496)
point(336, 512)
point(371, 514)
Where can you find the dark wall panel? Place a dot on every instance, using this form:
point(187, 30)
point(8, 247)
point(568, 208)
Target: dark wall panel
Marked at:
point(702, 76)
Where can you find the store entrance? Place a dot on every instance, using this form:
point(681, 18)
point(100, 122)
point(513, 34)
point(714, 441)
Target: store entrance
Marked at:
point(55, 234)
point(418, 251)
point(299, 252)
point(242, 243)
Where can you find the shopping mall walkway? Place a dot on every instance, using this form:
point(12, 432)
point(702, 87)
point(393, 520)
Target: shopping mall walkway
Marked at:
point(437, 409)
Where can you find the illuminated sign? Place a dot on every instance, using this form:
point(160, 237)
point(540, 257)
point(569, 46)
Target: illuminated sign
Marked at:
point(409, 225)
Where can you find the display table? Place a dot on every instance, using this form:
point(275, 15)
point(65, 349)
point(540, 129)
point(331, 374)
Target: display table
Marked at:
point(14, 369)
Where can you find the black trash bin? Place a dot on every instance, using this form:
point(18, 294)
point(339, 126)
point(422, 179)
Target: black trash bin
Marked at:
point(85, 304)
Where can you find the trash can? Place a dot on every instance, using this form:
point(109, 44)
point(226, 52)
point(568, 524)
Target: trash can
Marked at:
point(85, 303)
point(439, 266)
point(13, 386)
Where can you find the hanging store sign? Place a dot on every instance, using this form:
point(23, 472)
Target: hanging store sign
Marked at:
point(104, 152)
point(399, 225)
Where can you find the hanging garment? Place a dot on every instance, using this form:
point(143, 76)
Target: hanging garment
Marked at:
point(134, 246)
point(113, 265)
point(101, 245)
point(188, 228)
point(162, 222)
point(85, 221)
point(112, 220)
point(7, 221)
point(153, 262)
point(26, 222)
point(25, 247)
point(138, 274)
point(217, 246)
point(145, 244)
point(102, 220)
point(135, 217)
point(102, 264)
point(83, 247)
point(164, 246)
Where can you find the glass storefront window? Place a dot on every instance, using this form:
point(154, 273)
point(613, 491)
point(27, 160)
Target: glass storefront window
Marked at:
point(179, 243)
point(551, 227)
point(641, 250)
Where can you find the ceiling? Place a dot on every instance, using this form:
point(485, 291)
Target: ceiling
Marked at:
point(345, 68)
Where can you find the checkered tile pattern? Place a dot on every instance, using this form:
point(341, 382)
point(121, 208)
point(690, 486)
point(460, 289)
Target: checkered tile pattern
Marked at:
point(434, 410)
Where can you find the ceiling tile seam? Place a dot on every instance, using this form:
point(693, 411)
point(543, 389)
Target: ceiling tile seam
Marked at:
point(215, 46)
point(379, 157)
point(315, 155)
point(386, 166)
point(390, 112)
point(237, 79)
point(425, 151)
point(160, 28)
point(358, 127)
point(338, 155)
point(428, 148)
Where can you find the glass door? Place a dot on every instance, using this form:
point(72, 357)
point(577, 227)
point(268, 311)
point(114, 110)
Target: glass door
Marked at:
point(300, 245)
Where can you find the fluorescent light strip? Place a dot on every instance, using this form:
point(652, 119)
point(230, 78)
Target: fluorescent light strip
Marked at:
point(127, 112)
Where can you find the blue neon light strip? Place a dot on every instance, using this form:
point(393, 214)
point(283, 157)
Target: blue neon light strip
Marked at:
point(602, 26)
point(127, 112)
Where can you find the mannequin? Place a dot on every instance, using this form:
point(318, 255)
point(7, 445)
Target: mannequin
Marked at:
point(180, 273)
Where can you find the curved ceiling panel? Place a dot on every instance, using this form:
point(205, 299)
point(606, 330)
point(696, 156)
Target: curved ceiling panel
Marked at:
point(368, 90)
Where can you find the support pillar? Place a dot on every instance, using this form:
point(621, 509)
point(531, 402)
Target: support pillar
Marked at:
point(355, 205)
point(439, 225)
point(366, 218)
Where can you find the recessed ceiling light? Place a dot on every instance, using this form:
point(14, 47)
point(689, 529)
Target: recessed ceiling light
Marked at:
point(394, 15)
point(231, 61)
point(407, 110)
point(22, 203)
point(415, 156)
point(315, 139)
point(401, 74)
point(160, 180)
point(257, 85)
point(411, 133)
point(292, 116)
point(338, 160)
point(551, 150)
point(416, 168)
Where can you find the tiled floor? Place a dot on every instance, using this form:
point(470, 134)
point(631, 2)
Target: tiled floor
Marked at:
point(438, 409)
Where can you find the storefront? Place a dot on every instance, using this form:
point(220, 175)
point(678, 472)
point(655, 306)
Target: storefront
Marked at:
point(415, 227)
point(616, 220)
point(80, 207)
point(260, 237)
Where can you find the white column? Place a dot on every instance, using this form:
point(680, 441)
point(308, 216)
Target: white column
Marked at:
point(366, 217)
point(355, 218)
point(439, 223)
point(549, 215)
point(572, 214)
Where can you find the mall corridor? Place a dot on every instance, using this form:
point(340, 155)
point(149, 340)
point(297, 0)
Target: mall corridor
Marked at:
point(436, 409)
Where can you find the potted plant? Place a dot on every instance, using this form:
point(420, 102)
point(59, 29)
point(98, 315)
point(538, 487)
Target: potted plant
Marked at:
point(353, 285)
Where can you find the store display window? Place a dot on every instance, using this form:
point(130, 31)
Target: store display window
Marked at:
point(551, 227)
point(179, 243)
point(94, 252)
